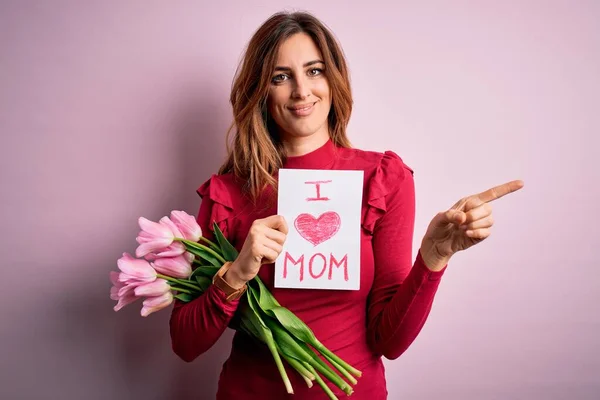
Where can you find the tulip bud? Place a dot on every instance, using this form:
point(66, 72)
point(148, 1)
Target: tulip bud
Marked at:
point(153, 304)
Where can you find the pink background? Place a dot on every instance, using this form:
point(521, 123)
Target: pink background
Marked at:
point(114, 109)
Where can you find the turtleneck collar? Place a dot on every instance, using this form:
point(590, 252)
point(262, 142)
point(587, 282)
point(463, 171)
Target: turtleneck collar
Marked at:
point(316, 159)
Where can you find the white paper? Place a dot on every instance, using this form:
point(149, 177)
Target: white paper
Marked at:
point(322, 209)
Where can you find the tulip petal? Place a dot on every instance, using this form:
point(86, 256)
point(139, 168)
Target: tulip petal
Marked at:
point(114, 277)
point(154, 228)
point(174, 250)
point(152, 247)
point(176, 267)
point(189, 257)
point(126, 290)
point(123, 301)
point(153, 304)
point(172, 227)
point(114, 293)
point(187, 224)
point(135, 267)
point(153, 289)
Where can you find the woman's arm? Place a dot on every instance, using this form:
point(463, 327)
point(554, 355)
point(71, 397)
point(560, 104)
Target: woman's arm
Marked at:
point(402, 293)
point(195, 326)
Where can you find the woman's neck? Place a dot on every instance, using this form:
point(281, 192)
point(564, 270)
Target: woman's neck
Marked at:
point(299, 146)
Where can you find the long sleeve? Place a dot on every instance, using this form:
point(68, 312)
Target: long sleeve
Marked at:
point(402, 294)
point(195, 326)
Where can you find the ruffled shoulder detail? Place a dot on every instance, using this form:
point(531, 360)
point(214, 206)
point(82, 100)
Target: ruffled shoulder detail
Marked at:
point(386, 178)
point(220, 190)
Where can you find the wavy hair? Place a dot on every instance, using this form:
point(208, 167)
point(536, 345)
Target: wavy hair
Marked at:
point(255, 152)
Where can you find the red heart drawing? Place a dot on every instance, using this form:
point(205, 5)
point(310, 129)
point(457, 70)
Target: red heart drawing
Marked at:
point(318, 230)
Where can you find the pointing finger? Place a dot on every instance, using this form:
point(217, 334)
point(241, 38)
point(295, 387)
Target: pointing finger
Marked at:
point(500, 191)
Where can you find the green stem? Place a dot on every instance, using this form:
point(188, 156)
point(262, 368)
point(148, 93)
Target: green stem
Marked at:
point(296, 364)
point(178, 281)
point(329, 373)
point(286, 380)
point(305, 353)
point(210, 243)
point(320, 382)
point(342, 370)
point(180, 290)
point(330, 355)
point(201, 246)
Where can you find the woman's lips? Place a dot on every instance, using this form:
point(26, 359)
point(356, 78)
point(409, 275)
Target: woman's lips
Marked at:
point(302, 110)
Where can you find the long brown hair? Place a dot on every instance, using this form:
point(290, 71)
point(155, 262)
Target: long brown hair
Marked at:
point(256, 153)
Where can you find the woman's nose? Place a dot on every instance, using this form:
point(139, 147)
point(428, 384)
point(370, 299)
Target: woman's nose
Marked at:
point(301, 89)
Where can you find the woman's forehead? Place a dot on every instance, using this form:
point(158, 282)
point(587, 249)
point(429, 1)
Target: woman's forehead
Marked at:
point(297, 50)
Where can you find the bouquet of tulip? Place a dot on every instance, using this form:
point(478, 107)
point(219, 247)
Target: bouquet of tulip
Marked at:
point(163, 271)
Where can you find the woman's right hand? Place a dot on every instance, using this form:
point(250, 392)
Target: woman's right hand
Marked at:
point(263, 245)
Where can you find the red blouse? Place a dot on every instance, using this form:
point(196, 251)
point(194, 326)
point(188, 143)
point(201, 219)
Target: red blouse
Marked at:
point(381, 319)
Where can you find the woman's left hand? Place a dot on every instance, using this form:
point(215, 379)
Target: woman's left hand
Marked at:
point(465, 224)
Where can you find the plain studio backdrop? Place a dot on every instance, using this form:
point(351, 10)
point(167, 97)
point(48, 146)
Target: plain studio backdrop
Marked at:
point(110, 110)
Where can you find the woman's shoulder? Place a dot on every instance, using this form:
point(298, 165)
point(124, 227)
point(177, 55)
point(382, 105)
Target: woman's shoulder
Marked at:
point(385, 165)
point(224, 189)
point(385, 173)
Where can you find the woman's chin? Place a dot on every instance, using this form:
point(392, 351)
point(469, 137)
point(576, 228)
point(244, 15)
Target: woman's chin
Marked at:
point(303, 132)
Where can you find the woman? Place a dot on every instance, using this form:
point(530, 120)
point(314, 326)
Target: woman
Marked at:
point(292, 102)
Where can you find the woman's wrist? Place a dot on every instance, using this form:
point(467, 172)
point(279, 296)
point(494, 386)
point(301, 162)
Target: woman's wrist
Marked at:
point(433, 260)
point(234, 278)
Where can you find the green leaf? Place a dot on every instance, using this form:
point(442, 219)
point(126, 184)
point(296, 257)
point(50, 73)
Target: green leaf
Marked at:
point(321, 383)
point(205, 270)
point(300, 330)
point(200, 252)
point(297, 365)
point(299, 350)
point(203, 282)
point(229, 252)
point(265, 296)
point(252, 316)
point(208, 272)
point(289, 320)
point(183, 297)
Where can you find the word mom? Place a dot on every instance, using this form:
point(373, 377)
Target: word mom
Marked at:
point(317, 265)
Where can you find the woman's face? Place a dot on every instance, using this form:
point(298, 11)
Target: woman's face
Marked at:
point(299, 95)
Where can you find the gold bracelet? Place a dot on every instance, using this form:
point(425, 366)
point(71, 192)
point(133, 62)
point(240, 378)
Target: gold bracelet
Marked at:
point(231, 292)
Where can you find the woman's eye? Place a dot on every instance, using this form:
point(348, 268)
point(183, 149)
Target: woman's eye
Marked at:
point(315, 71)
point(279, 78)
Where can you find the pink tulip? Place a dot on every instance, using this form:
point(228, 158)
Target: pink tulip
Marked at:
point(153, 304)
point(177, 267)
point(187, 225)
point(135, 271)
point(114, 279)
point(114, 290)
point(189, 257)
point(125, 300)
point(168, 223)
point(174, 250)
point(150, 257)
point(153, 289)
point(121, 292)
point(152, 237)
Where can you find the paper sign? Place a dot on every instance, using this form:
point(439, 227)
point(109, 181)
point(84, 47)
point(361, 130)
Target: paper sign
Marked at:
point(322, 210)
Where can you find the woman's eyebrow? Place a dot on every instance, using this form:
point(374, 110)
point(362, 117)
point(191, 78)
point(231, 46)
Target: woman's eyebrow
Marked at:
point(308, 64)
